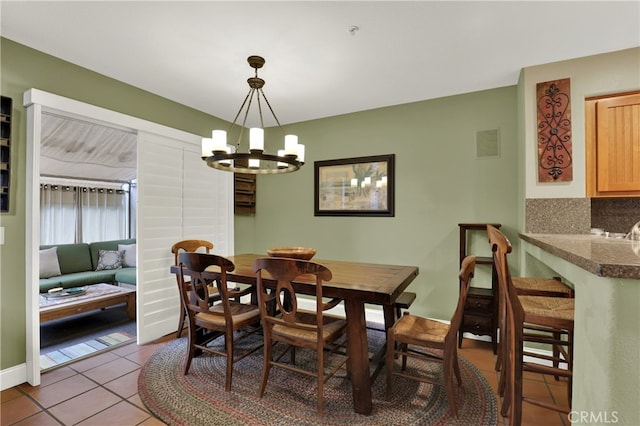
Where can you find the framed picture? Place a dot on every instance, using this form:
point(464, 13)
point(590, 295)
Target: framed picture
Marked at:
point(362, 186)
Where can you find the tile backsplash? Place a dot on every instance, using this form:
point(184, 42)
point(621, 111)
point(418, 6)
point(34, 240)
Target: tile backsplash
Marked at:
point(558, 216)
point(615, 214)
point(579, 215)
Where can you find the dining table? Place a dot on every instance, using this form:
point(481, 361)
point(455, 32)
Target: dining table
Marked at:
point(357, 284)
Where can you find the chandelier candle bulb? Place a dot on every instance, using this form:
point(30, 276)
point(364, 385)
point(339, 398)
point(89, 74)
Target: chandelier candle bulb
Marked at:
point(256, 139)
point(290, 145)
point(207, 147)
point(254, 164)
point(354, 182)
point(367, 181)
point(219, 138)
point(301, 153)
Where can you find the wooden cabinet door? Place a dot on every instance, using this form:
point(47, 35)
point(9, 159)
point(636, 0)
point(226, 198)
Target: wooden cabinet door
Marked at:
point(616, 150)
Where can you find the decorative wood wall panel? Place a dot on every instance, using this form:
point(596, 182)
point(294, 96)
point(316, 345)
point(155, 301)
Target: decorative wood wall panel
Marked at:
point(5, 152)
point(554, 131)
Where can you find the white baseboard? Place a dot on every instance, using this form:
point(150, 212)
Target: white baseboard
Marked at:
point(13, 376)
point(371, 315)
point(475, 337)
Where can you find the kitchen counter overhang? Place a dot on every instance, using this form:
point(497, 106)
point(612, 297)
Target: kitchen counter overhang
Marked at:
point(603, 257)
point(606, 276)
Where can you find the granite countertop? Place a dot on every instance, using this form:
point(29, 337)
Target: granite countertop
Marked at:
point(604, 257)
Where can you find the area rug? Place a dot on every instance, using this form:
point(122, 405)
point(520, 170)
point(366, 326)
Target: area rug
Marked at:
point(199, 398)
point(82, 350)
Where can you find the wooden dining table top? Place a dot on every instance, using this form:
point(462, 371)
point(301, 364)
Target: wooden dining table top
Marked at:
point(373, 283)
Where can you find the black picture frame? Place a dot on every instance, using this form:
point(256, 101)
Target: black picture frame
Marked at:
point(341, 187)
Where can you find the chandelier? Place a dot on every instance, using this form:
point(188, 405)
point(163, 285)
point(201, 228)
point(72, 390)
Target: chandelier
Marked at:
point(217, 154)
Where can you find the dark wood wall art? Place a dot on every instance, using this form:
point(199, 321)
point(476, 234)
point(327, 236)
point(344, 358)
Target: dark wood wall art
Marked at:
point(554, 131)
point(5, 151)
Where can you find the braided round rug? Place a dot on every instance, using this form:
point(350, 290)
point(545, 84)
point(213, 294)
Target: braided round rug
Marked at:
point(199, 398)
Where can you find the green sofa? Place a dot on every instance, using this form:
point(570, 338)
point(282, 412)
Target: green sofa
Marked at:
point(78, 263)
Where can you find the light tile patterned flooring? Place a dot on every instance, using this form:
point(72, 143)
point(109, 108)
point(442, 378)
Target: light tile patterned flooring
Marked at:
point(103, 390)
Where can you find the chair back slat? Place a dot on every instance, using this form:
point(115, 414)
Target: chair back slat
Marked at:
point(195, 295)
point(501, 247)
point(190, 246)
point(467, 269)
point(187, 246)
point(285, 271)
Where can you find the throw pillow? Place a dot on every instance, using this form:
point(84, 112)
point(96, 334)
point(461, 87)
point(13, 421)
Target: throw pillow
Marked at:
point(49, 266)
point(129, 260)
point(109, 259)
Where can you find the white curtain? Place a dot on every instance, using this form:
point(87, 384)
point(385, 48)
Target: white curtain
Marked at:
point(73, 214)
point(58, 214)
point(103, 214)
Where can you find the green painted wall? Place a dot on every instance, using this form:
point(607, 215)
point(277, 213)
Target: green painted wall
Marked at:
point(439, 182)
point(23, 68)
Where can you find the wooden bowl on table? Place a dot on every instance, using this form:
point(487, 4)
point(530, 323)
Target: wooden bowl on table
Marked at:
point(302, 253)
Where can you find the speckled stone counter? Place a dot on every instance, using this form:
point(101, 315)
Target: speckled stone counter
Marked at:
point(604, 257)
point(605, 273)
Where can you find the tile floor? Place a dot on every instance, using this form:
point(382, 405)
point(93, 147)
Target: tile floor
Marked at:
point(102, 390)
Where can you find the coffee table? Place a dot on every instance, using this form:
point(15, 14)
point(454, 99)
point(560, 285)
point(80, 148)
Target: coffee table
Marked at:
point(97, 296)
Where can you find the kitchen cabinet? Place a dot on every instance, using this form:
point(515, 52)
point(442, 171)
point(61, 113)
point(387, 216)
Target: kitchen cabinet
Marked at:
point(613, 145)
point(480, 314)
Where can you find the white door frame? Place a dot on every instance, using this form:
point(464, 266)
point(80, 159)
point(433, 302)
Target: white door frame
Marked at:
point(37, 102)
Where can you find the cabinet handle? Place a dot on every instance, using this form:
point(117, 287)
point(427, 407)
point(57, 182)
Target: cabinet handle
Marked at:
point(478, 305)
point(476, 326)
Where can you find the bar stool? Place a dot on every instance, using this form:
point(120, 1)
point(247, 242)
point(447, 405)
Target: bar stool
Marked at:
point(529, 286)
point(553, 317)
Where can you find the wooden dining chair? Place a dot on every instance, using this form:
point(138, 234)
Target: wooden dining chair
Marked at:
point(412, 331)
point(206, 322)
point(540, 319)
point(293, 326)
point(191, 246)
point(528, 286)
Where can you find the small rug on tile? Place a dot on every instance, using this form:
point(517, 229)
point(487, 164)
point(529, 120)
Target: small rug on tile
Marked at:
point(82, 350)
point(199, 397)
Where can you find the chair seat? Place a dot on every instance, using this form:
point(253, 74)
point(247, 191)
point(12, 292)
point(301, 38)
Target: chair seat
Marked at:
point(411, 327)
point(548, 307)
point(241, 313)
point(535, 286)
point(331, 327)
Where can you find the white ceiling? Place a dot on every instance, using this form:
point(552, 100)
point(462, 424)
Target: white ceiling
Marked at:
point(195, 52)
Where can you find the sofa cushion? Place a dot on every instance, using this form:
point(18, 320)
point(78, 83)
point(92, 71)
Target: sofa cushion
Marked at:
point(47, 284)
point(129, 259)
point(49, 266)
point(105, 245)
point(78, 279)
point(72, 257)
point(109, 259)
point(126, 275)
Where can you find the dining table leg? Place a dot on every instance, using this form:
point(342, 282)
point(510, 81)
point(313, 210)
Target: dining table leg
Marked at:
point(358, 356)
